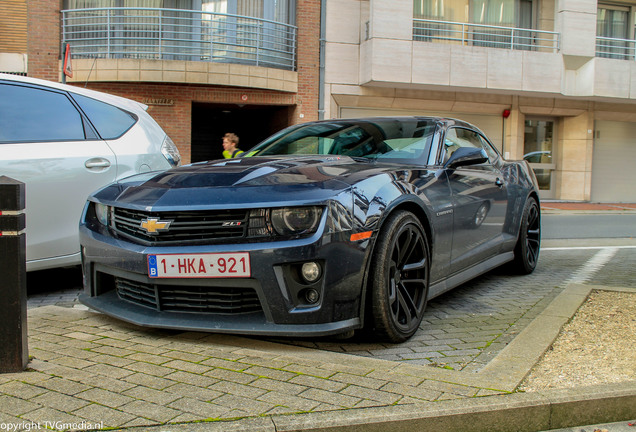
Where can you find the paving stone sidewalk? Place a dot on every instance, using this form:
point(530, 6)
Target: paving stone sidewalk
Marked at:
point(89, 371)
point(90, 368)
point(461, 330)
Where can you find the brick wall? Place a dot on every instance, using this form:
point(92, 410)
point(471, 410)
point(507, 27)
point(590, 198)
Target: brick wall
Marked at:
point(43, 38)
point(308, 23)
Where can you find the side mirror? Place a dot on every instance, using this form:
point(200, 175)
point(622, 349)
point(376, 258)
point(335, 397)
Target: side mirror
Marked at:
point(466, 156)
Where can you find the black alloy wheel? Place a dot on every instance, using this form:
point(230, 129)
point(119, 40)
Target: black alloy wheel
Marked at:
point(529, 242)
point(400, 276)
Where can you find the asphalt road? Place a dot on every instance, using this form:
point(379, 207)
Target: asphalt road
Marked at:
point(588, 225)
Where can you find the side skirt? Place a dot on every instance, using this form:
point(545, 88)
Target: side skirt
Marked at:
point(468, 274)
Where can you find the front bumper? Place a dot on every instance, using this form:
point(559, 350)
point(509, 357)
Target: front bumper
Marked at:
point(272, 301)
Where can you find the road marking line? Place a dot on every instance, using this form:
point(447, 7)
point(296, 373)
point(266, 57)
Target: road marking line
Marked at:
point(593, 265)
point(586, 248)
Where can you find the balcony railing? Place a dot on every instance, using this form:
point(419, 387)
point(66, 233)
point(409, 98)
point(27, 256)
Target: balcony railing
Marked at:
point(485, 35)
point(179, 34)
point(622, 49)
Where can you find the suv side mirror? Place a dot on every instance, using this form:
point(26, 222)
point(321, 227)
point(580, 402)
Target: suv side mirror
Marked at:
point(466, 156)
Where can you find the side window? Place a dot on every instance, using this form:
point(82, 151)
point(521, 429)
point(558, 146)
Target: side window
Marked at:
point(353, 141)
point(490, 151)
point(110, 121)
point(458, 137)
point(32, 114)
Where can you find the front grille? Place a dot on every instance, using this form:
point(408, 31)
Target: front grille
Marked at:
point(184, 226)
point(177, 298)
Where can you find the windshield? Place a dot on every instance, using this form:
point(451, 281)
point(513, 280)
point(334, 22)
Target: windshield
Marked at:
point(373, 139)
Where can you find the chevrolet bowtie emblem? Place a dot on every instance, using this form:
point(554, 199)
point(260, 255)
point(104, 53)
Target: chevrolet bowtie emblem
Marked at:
point(154, 225)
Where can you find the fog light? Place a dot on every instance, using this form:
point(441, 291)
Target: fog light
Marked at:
point(311, 271)
point(312, 296)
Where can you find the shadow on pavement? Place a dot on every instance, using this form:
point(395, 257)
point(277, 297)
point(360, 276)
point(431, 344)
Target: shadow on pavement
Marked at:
point(48, 281)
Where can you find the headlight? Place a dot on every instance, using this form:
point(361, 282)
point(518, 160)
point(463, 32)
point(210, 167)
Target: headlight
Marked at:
point(170, 151)
point(295, 220)
point(102, 212)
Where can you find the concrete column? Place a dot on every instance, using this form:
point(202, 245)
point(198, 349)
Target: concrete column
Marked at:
point(513, 129)
point(574, 157)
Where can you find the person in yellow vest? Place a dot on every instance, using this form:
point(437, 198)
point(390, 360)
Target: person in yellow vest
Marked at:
point(230, 146)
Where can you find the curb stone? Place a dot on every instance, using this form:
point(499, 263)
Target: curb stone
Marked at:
point(512, 412)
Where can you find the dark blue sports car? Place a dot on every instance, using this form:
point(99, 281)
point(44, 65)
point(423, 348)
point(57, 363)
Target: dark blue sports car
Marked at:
point(324, 228)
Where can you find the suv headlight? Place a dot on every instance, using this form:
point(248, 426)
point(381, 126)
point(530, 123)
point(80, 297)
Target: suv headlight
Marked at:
point(295, 220)
point(170, 151)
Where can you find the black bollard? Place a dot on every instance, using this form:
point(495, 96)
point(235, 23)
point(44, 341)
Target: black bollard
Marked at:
point(14, 351)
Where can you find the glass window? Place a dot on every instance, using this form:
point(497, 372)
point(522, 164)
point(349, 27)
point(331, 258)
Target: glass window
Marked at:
point(444, 10)
point(458, 137)
point(31, 114)
point(275, 10)
point(612, 22)
point(374, 139)
point(215, 6)
point(493, 12)
point(493, 155)
point(493, 19)
point(110, 122)
point(538, 147)
point(537, 143)
point(505, 13)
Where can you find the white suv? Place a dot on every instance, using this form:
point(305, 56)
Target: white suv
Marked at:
point(65, 142)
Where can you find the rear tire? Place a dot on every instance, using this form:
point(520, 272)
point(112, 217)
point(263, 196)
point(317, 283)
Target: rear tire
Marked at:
point(399, 278)
point(529, 242)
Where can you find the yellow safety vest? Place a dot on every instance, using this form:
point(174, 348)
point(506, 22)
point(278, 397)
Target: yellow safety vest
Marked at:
point(228, 155)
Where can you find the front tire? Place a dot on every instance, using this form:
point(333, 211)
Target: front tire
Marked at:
point(529, 242)
point(399, 278)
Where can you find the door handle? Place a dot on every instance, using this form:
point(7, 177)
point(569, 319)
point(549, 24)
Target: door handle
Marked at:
point(97, 163)
point(499, 182)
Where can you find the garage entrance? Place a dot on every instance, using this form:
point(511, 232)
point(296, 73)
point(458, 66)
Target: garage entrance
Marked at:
point(613, 174)
point(252, 123)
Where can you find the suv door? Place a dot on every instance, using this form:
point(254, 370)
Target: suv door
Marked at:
point(480, 201)
point(47, 143)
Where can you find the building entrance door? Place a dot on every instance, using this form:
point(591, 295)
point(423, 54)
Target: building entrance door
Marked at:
point(538, 149)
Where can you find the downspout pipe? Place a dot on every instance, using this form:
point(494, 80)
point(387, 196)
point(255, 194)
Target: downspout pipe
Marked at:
point(321, 71)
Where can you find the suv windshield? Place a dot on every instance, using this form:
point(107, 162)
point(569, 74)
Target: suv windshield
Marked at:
point(373, 139)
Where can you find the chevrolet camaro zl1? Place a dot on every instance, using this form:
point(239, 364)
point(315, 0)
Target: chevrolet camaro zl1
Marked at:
point(322, 229)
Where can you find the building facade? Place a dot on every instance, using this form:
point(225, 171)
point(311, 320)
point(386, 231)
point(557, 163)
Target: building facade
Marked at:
point(204, 67)
point(553, 81)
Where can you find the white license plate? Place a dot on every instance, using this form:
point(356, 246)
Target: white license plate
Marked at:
point(206, 265)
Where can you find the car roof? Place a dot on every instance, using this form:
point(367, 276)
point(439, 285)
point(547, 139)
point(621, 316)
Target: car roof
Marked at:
point(119, 101)
point(447, 121)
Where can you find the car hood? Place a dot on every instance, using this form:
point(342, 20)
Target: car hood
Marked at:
point(241, 182)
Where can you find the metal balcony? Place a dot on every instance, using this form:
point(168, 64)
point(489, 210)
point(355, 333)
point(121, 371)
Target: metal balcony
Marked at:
point(468, 34)
point(622, 49)
point(179, 34)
